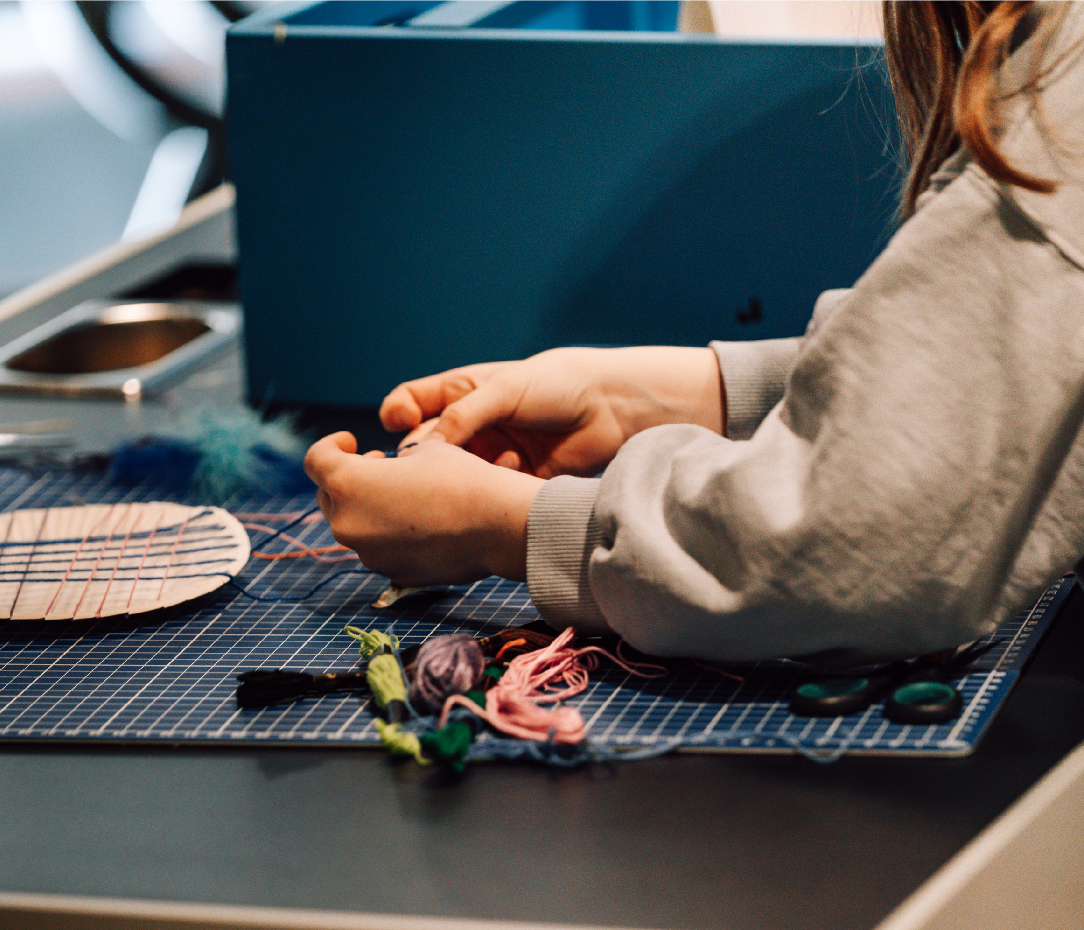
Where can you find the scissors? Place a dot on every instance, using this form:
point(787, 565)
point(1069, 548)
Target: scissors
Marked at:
point(914, 691)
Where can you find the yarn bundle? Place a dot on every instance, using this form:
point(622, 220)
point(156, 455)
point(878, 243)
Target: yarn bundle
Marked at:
point(512, 683)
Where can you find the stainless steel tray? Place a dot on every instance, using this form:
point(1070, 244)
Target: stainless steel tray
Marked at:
point(122, 348)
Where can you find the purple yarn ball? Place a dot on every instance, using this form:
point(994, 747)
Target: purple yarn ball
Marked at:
point(445, 665)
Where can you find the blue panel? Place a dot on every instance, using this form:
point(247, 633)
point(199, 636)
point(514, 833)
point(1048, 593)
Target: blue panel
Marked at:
point(358, 13)
point(587, 15)
point(414, 199)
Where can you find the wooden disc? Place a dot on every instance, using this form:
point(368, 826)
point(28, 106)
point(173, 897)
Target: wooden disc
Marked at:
point(104, 560)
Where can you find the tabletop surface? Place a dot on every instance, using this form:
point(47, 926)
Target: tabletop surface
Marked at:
point(686, 840)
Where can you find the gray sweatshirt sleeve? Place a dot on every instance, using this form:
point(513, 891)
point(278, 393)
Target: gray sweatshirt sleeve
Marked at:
point(882, 507)
point(754, 375)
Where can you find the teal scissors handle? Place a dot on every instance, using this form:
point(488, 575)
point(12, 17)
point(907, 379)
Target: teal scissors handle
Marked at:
point(914, 692)
point(923, 701)
point(920, 700)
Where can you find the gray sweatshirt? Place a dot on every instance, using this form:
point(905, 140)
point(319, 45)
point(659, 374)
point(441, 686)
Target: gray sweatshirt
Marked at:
point(905, 477)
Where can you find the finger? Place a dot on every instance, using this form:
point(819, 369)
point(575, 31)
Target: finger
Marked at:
point(324, 500)
point(419, 433)
point(345, 441)
point(509, 459)
point(328, 452)
point(491, 444)
point(408, 449)
point(491, 403)
point(374, 454)
point(414, 401)
point(400, 410)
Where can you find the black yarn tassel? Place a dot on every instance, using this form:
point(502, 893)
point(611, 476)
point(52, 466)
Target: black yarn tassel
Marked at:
point(264, 687)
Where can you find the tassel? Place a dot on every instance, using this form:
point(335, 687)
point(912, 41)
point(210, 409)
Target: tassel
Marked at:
point(262, 687)
point(400, 742)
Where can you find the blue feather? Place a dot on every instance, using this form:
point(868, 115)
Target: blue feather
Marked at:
point(216, 454)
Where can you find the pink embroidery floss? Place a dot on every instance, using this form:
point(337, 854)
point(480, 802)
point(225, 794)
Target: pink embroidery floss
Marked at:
point(545, 676)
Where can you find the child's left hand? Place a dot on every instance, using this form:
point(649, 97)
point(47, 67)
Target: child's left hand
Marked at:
point(436, 514)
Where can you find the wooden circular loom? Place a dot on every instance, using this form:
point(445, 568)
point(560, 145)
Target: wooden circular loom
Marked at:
point(104, 560)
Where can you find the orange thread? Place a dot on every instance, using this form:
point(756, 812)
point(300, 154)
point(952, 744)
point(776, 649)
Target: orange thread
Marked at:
point(116, 564)
point(303, 549)
point(317, 554)
point(509, 645)
point(97, 561)
point(173, 553)
point(75, 558)
point(143, 559)
point(29, 560)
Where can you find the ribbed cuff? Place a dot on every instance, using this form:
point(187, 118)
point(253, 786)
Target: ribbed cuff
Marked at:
point(754, 376)
point(562, 532)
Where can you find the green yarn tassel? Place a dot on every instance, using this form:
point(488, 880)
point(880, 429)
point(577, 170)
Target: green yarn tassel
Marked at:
point(449, 745)
point(386, 680)
point(370, 642)
point(400, 742)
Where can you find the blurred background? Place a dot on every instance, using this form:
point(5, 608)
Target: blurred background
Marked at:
point(111, 112)
point(110, 120)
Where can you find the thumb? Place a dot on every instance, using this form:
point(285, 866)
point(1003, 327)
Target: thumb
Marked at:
point(327, 453)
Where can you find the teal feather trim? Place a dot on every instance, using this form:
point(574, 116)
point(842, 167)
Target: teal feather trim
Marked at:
point(215, 454)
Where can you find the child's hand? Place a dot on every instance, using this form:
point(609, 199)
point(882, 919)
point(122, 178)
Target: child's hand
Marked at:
point(566, 411)
point(435, 515)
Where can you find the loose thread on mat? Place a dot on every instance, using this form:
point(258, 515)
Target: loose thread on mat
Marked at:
point(570, 755)
point(295, 597)
point(289, 526)
point(564, 755)
point(303, 549)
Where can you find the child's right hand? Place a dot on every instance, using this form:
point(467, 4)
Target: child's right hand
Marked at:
point(565, 411)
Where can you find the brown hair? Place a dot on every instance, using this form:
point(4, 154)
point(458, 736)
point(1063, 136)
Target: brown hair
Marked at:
point(942, 60)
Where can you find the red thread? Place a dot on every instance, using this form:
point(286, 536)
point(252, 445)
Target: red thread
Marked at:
point(303, 549)
point(143, 559)
point(173, 553)
point(511, 644)
point(718, 671)
point(75, 557)
point(97, 562)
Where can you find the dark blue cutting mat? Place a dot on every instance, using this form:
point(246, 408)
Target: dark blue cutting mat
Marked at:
point(170, 676)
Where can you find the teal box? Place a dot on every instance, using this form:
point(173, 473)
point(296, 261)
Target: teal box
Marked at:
point(421, 186)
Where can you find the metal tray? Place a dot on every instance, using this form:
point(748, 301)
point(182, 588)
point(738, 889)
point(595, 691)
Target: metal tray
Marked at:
point(122, 348)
